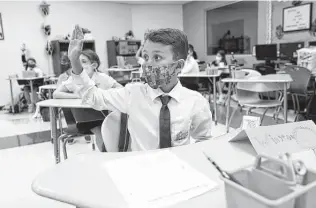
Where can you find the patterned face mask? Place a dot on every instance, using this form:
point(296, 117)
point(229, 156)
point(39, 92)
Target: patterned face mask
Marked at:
point(159, 75)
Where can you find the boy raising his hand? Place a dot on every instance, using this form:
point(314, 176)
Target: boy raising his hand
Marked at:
point(161, 112)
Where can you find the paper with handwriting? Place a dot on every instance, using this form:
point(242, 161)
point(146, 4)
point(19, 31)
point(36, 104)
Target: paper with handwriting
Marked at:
point(248, 122)
point(157, 179)
point(282, 138)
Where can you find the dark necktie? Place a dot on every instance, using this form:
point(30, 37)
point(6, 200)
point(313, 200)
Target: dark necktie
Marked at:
point(164, 123)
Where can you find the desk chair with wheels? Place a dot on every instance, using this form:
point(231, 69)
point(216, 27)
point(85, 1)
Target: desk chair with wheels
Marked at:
point(79, 122)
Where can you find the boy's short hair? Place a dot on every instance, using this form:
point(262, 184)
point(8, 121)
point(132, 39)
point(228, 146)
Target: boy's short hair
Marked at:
point(177, 39)
point(92, 56)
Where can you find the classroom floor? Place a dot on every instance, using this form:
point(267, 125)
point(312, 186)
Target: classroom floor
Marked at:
point(26, 151)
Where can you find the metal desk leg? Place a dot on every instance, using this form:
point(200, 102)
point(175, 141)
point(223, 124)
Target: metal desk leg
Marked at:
point(285, 102)
point(56, 141)
point(32, 89)
point(214, 100)
point(228, 107)
point(12, 99)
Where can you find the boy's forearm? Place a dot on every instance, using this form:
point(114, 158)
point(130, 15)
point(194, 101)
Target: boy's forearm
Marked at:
point(76, 66)
point(65, 95)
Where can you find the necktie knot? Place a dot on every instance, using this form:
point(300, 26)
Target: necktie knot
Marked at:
point(165, 99)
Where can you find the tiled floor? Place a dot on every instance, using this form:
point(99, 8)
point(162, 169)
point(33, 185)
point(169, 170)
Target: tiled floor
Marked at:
point(21, 162)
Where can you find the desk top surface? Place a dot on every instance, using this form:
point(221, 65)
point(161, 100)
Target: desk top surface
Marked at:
point(201, 74)
point(30, 78)
point(62, 103)
point(82, 174)
point(273, 78)
point(48, 87)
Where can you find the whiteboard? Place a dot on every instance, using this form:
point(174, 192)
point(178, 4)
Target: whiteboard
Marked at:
point(297, 18)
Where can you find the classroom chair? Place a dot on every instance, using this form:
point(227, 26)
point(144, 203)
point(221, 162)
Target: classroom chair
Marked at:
point(79, 121)
point(115, 132)
point(299, 88)
point(253, 100)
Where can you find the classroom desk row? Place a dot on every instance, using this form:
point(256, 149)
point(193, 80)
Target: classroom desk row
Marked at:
point(261, 81)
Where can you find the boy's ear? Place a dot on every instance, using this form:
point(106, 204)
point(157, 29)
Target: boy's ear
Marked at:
point(181, 63)
point(95, 65)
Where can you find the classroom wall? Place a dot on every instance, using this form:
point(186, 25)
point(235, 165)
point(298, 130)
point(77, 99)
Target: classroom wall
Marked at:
point(194, 24)
point(155, 16)
point(22, 23)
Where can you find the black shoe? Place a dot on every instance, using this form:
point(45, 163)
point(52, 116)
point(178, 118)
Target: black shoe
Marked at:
point(88, 139)
point(71, 141)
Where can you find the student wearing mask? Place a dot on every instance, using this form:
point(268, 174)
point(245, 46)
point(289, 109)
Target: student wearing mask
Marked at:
point(67, 89)
point(31, 66)
point(220, 61)
point(161, 113)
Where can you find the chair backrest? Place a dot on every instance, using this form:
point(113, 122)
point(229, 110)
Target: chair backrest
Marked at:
point(264, 69)
point(244, 96)
point(115, 133)
point(300, 76)
point(251, 72)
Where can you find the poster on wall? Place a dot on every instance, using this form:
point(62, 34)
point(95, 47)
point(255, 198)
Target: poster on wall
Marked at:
point(297, 18)
point(1, 29)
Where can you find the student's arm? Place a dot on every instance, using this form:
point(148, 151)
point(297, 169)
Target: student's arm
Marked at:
point(114, 99)
point(201, 121)
point(62, 93)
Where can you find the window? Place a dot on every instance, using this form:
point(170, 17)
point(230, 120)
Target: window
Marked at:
point(232, 28)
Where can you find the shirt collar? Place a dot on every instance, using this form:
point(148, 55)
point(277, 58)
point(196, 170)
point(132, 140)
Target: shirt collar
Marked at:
point(174, 93)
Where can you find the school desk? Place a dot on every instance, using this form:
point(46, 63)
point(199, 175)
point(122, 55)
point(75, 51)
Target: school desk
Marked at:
point(54, 105)
point(82, 180)
point(209, 76)
point(29, 81)
point(50, 88)
point(263, 84)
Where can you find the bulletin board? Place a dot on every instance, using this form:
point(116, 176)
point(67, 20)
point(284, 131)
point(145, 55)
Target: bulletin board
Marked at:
point(297, 18)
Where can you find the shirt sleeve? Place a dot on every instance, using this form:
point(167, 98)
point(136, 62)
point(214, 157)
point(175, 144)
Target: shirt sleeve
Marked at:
point(38, 71)
point(107, 81)
point(187, 67)
point(201, 121)
point(114, 99)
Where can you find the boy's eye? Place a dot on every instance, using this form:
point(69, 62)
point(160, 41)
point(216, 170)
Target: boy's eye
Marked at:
point(157, 57)
point(145, 56)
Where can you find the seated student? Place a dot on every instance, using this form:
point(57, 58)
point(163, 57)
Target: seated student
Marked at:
point(90, 62)
point(161, 113)
point(220, 61)
point(190, 65)
point(65, 68)
point(193, 52)
point(31, 66)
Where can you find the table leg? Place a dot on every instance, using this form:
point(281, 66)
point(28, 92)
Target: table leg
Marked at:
point(228, 106)
point(50, 94)
point(285, 102)
point(32, 90)
point(12, 98)
point(54, 133)
point(214, 100)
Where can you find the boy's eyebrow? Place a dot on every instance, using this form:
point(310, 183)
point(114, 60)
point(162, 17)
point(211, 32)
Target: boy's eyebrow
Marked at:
point(155, 51)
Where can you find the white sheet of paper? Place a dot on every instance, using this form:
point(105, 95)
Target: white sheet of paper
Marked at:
point(250, 122)
point(308, 157)
point(282, 138)
point(156, 179)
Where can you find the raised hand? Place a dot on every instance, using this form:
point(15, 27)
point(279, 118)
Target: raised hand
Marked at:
point(75, 48)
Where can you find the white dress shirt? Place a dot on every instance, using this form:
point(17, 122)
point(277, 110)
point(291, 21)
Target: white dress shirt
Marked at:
point(100, 80)
point(189, 111)
point(190, 66)
point(38, 71)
